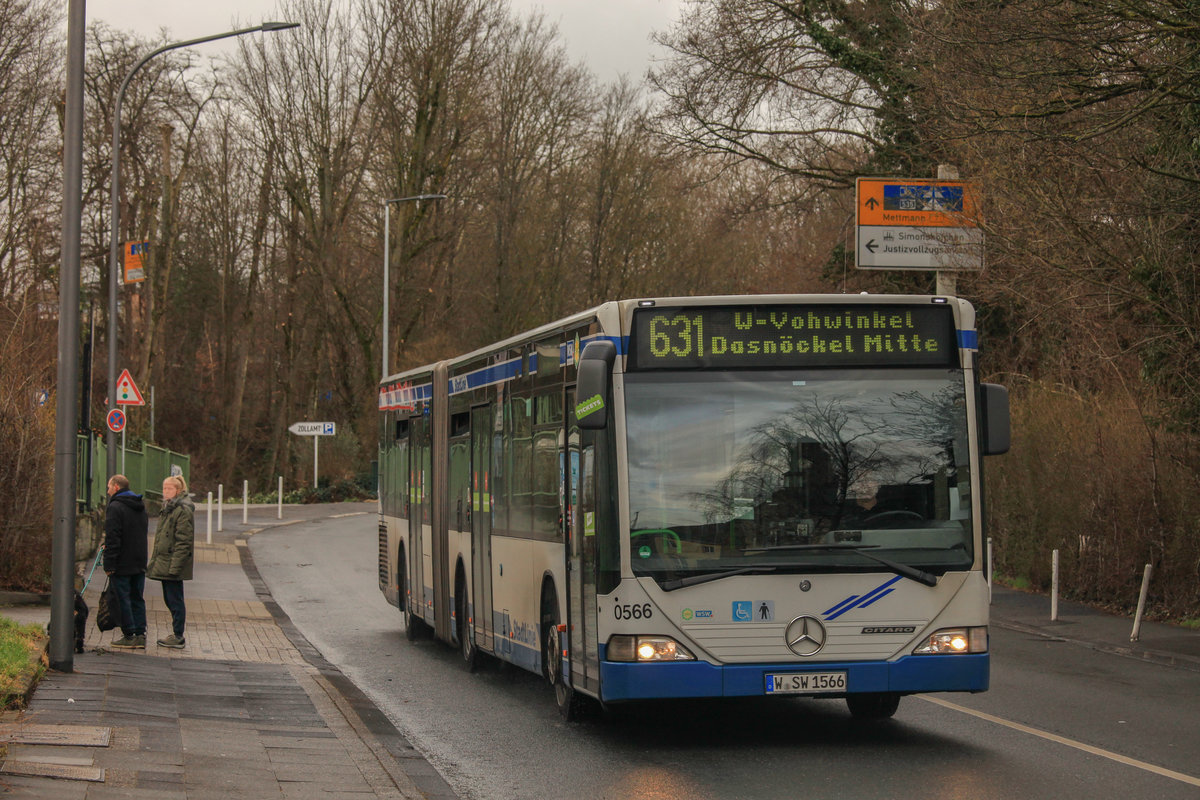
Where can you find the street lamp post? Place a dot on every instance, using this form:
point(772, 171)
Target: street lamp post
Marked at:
point(114, 252)
point(387, 261)
point(62, 558)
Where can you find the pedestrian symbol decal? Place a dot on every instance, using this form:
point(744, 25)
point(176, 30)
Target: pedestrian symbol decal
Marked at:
point(754, 611)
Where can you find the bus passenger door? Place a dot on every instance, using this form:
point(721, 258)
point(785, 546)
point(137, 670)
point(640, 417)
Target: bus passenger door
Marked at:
point(418, 519)
point(481, 525)
point(580, 548)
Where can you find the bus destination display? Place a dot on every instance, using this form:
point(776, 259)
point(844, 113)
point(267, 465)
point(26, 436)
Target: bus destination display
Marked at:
point(732, 337)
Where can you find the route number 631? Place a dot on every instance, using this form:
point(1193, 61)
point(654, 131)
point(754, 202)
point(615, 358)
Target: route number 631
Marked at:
point(633, 611)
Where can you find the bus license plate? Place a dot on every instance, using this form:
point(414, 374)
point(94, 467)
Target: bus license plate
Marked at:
point(805, 682)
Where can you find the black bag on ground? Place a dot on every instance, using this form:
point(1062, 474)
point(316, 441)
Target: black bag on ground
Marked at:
point(108, 610)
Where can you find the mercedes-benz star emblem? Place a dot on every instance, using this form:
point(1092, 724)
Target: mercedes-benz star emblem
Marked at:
point(805, 636)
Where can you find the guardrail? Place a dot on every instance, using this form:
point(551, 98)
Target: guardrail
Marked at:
point(145, 467)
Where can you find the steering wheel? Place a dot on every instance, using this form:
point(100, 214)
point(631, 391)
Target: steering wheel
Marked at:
point(671, 535)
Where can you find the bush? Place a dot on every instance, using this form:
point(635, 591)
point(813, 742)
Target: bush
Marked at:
point(1106, 487)
point(27, 362)
point(340, 491)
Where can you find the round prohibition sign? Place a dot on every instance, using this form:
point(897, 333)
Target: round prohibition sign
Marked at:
point(116, 420)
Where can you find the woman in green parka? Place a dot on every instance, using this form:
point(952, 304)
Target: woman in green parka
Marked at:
point(171, 559)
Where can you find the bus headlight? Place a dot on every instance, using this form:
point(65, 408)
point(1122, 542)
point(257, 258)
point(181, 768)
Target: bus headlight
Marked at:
point(955, 640)
point(646, 648)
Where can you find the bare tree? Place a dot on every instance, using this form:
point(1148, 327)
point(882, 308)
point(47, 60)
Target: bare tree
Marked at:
point(537, 106)
point(431, 116)
point(28, 147)
point(308, 95)
point(818, 90)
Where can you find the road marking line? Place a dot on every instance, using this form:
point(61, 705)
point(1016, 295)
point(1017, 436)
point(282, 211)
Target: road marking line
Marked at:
point(1087, 748)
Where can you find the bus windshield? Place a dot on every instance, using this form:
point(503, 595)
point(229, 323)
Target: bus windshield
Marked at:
point(829, 471)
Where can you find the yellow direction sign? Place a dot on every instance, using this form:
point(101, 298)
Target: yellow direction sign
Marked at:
point(913, 223)
point(127, 391)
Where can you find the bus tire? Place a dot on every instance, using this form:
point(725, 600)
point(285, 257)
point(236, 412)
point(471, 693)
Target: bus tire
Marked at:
point(569, 703)
point(413, 626)
point(465, 632)
point(873, 705)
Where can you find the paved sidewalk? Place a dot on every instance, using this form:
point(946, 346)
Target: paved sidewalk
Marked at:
point(1169, 645)
point(249, 709)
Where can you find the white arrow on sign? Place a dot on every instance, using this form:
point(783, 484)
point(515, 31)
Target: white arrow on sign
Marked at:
point(313, 428)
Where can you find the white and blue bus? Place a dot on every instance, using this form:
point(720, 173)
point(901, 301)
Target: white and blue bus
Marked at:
point(703, 497)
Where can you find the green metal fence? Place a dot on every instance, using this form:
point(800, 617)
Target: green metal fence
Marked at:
point(145, 467)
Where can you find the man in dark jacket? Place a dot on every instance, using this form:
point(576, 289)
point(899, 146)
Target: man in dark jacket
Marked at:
point(125, 526)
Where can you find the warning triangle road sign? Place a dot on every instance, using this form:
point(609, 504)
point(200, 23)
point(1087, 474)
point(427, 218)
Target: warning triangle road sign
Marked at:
point(127, 391)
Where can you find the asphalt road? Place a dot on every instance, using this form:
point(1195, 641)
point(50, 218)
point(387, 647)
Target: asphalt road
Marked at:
point(1060, 720)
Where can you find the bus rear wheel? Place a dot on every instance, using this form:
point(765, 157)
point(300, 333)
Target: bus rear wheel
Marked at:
point(414, 627)
point(873, 705)
point(466, 636)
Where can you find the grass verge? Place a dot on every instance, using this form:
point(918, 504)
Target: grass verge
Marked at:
point(22, 660)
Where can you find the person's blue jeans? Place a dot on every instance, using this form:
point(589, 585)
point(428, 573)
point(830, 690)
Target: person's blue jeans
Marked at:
point(173, 597)
point(129, 590)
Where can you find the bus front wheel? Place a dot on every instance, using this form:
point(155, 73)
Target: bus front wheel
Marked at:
point(571, 705)
point(873, 705)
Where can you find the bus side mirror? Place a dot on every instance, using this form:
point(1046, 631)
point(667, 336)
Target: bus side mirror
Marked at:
point(592, 386)
point(996, 425)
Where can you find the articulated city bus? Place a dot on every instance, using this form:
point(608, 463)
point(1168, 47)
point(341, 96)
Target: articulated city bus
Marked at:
point(703, 497)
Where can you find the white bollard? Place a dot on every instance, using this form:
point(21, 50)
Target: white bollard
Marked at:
point(245, 501)
point(989, 569)
point(1054, 587)
point(210, 517)
point(220, 507)
point(279, 513)
point(1137, 619)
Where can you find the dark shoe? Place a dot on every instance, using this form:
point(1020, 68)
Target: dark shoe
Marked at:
point(139, 641)
point(128, 642)
point(173, 641)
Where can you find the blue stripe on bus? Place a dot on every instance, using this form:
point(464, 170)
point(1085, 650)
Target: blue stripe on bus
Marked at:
point(486, 376)
point(490, 375)
point(856, 601)
point(405, 396)
point(680, 679)
point(508, 370)
point(968, 340)
point(848, 600)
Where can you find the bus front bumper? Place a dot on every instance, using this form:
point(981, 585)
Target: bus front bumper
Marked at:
point(621, 681)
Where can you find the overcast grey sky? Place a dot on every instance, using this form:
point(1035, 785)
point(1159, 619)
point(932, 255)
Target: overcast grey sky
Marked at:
point(611, 36)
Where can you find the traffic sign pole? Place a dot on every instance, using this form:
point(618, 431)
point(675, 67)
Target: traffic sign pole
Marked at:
point(316, 430)
point(946, 282)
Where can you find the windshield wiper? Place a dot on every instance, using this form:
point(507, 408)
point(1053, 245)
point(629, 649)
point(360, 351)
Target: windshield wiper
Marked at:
point(695, 580)
point(904, 570)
